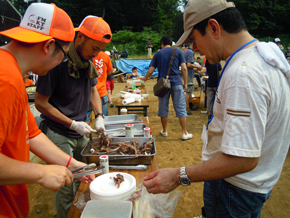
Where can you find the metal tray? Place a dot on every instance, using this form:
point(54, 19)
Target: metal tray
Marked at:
point(122, 119)
point(116, 159)
point(138, 130)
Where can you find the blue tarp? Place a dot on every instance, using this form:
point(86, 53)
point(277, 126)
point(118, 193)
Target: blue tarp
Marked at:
point(126, 65)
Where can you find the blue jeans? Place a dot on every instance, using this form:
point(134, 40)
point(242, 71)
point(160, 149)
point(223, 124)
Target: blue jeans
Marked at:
point(105, 103)
point(224, 200)
point(178, 99)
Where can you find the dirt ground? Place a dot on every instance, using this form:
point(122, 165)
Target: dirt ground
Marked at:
point(173, 152)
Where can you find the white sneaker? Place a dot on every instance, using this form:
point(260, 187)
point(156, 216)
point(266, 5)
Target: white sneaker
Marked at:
point(201, 216)
point(186, 137)
point(163, 133)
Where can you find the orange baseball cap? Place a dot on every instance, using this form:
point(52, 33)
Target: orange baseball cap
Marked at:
point(95, 28)
point(41, 22)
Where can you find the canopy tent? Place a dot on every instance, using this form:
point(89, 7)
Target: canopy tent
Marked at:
point(126, 65)
point(9, 18)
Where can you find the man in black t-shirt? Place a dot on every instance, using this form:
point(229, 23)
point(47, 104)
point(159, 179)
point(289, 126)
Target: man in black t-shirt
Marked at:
point(213, 71)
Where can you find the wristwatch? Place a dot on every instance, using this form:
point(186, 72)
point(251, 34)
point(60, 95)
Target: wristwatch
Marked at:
point(183, 178)
point(99, 114)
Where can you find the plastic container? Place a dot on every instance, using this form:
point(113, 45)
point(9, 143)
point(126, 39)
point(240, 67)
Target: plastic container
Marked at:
point(103, 187)
point(104, 208)
point(123, 111)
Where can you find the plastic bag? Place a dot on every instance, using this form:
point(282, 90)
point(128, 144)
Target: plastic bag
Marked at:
point(155, 205)
point(82, 200)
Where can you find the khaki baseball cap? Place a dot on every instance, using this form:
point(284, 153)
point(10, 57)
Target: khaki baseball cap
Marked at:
point(95, 28)
point(42, 22)
point(197, 11)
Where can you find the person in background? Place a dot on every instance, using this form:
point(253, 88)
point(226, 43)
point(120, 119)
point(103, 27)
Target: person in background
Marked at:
point(242, 156)
point(277, 41)
point(199, 61)
point(104, 67)
point(64, 94)
point(32, 49)
point(213, 72)
point(134, 74)
point(110, 81)
point(161, 61)
point(185, 48)
point(287, 54)
point(149, 48)
point(27, 81)
point(189, 58)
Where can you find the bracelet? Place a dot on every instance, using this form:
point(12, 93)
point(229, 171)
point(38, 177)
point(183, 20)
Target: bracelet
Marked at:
point(68, 161)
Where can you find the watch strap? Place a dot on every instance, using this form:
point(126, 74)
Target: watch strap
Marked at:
point(99, 114)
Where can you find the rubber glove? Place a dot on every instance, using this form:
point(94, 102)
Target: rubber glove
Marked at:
point(81, 127)
point(99, 123)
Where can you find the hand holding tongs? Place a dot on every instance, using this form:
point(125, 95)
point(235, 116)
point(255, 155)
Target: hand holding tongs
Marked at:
point(87, 167)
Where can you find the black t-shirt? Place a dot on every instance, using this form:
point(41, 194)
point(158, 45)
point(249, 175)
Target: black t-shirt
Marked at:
point(212, 72)
point(111, 77)
point(69, 95)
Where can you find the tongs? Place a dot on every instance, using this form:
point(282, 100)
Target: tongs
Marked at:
point(90, 166)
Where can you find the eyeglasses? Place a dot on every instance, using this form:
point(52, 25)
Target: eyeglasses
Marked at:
point(65, 58)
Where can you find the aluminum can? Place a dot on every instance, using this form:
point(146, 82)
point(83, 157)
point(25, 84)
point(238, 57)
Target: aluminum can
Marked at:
point(104, 161)
point(129, 130)
point(147, 132)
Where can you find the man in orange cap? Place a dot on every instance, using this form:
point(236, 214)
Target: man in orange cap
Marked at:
point(64, 94)
point(36, 46)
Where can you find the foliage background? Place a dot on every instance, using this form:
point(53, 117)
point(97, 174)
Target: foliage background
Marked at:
point(133, 22)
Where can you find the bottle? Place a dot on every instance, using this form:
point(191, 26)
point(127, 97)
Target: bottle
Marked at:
point(133, 86)
point(142, 84)
point(129, 130)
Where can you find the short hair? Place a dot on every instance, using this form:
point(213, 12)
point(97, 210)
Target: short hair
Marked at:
point(198, 58)
point(149, 39)
point(230, 19)
point(166, 40)
point(185, 45)
point(134, 68)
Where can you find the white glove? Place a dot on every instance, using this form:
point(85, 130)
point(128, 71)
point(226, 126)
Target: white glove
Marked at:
point(99, 123)
point(81, 127)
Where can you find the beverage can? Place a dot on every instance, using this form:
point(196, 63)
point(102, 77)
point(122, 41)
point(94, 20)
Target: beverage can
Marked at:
point(129, 130)
point(104, 161)
point(133, 86)
point(147, 132)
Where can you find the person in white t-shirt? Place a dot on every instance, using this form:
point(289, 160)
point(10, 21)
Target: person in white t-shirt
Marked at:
point(247, 140)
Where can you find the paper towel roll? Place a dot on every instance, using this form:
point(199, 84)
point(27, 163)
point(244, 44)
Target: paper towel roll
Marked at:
point(128, 101)
point(130, 95)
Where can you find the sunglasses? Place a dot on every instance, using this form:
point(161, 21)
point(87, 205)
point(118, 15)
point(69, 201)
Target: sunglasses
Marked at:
point(65, 58)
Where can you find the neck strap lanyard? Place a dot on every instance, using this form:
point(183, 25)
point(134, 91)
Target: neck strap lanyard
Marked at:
point(229, 59)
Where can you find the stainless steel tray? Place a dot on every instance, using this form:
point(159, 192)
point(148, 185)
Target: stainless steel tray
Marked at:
point(122, 119)
point(117, 159)
point(138, 130)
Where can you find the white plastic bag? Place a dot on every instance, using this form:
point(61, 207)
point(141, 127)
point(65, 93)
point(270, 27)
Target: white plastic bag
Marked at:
point(155, 205)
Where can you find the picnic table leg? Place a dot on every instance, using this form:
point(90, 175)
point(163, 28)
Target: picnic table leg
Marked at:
point(119, 110)
point(145, 111)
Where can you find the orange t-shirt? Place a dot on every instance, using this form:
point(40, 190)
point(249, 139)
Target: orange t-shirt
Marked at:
point(17, 126)
point(28, 82)
point(103, 64)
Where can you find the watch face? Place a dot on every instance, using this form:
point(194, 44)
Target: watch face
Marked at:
point(185, 181)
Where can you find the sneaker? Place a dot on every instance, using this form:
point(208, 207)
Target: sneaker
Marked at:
point(111, 105)
point(193, 108)
point(201, 216)
point(186, 137)
point(163, 133)
point(188, 112)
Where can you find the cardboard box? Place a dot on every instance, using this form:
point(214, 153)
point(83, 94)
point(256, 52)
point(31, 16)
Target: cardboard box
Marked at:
point(196, 100)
